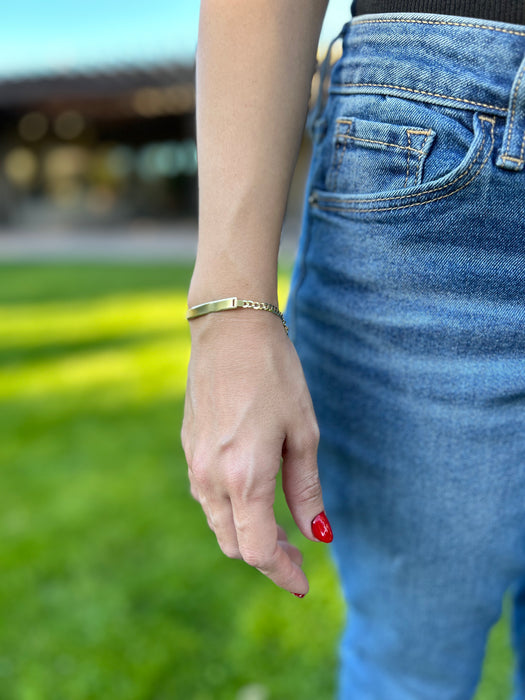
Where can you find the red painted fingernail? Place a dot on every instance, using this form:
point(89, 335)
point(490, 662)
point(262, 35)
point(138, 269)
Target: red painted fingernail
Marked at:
point(321, 528)
point(299, 595)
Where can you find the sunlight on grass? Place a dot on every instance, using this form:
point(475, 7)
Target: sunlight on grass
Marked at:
point(44, 324)
point(144, 370)
point(112, 585)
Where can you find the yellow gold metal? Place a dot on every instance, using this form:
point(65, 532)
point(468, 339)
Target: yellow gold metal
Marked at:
point(233, 303)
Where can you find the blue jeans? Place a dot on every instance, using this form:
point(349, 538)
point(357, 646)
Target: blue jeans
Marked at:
point(407, 309)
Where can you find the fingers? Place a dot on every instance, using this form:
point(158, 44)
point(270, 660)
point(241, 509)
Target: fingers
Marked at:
point(274, 556)
point(219, 516)
point(302, 487)
point(246, 529)
point(294, 554)
point(264, 546)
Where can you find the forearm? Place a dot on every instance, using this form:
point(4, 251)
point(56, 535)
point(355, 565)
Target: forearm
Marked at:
point(255, 60)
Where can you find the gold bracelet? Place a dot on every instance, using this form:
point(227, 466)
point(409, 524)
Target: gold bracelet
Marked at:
point(233, 303)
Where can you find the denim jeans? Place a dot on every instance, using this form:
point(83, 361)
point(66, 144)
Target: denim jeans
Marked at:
point(407, 308)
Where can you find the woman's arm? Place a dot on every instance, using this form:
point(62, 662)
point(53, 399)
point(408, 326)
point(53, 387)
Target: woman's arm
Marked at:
point(247, 403)
point(255, 60)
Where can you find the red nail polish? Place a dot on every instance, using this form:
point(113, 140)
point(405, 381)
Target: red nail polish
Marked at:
point(299, 595)
point(321, 528)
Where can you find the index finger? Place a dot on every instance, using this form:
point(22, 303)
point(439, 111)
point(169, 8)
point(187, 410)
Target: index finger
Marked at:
point(257, 535)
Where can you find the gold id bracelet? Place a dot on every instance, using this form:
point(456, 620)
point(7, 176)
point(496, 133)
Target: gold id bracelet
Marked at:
point(233, 303)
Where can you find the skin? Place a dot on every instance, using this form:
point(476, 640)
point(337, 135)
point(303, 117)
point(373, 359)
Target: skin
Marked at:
point(247, 403)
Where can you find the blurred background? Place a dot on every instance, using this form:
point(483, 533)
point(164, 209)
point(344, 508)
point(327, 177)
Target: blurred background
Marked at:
point(111, 584)
point(97, 128)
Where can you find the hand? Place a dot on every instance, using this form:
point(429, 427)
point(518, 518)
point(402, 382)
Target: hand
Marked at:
point(247, 405)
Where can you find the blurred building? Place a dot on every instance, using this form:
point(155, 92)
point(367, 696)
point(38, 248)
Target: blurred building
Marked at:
point(106, 146)
point(111, 146)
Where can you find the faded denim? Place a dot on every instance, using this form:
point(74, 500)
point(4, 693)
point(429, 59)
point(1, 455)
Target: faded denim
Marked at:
point(407, 308)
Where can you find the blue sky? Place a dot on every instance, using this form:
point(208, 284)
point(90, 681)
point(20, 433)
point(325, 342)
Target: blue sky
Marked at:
point(38, 36)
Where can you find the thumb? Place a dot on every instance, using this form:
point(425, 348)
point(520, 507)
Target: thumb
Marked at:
point(302, 489)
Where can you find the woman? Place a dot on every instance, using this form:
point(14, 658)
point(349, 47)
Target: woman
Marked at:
point(407, 311)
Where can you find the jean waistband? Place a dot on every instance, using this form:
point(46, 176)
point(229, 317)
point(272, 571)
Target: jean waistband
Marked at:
point(452, 61)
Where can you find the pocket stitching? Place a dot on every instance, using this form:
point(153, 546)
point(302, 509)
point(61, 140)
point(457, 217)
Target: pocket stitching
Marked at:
point(461, 176)
point(408, 159)
point(334, 89)
point(345, 136)
point(341, 153)
point(342, 138)
point(421, 152)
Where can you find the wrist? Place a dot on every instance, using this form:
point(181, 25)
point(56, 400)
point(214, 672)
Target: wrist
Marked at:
point(244, 326)
point(215, 278)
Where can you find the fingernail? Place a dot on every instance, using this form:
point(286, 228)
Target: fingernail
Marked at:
point(321, 528)
point(299, 595)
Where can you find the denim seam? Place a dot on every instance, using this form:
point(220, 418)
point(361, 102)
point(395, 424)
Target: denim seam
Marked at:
point(335, 175)
point(348, 123)
point(408, 158)
point(343, 207)
point(421, 92)
point(515, 160)
point(440, 22)
point(381, 143)
point(426, 133)
point(511, 126)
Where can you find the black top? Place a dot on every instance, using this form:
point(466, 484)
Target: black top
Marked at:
point(511, 11)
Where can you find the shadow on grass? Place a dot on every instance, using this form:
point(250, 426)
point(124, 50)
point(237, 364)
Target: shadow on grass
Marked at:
point(21, 282)
point(57, 351)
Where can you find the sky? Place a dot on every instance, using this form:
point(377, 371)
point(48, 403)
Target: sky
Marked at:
point(57, 35)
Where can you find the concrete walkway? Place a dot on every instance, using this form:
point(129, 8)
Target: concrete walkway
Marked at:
point(153, 242)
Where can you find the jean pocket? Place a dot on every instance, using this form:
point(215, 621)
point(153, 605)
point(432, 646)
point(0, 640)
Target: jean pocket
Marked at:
point(370, 156)
point(408, 157)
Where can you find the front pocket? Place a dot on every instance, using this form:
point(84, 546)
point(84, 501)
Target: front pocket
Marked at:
point(446, 185)
point(370, 156)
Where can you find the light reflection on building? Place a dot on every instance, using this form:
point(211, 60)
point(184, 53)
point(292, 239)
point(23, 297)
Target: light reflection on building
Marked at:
point(33, 126)
point(20, 167)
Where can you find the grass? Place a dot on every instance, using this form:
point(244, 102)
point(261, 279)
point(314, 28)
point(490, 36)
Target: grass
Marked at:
point(111, 584)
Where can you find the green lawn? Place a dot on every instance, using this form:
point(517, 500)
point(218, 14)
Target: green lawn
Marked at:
point(111, 584)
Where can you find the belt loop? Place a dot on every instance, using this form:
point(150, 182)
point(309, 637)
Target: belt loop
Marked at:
point(313, 121)
point(512, 153)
